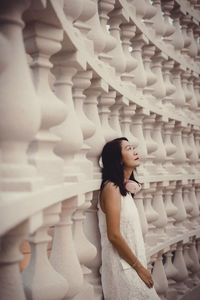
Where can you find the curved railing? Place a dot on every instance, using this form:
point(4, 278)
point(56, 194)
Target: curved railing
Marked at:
point(75, 74)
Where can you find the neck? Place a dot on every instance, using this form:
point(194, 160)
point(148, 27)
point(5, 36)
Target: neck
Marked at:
point(127, 173)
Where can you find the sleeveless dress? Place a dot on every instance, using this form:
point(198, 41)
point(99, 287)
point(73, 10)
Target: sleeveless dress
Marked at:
point(119, 280)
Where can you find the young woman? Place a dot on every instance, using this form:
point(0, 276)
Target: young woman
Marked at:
point(123, 272)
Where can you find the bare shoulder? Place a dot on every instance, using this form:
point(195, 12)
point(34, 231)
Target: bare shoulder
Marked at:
point(110, 196)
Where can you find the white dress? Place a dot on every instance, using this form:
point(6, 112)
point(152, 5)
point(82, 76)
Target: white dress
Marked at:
point(119, 280)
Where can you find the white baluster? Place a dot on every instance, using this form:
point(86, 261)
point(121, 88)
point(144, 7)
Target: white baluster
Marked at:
point(193, 49)
point(141, 8)
point(128, 33)
point(42, 40)
point(171, 209)
point(115, 113)
point(158, 205)
point(20, 108)
point(179, 157)
point(81, 82)
point(85, 250)
point(152, 146)
point(93, 235)
point(189, 263)
point(127, 113)
point(194, 256)
point(187, 204)
point(105, 102)
point(41, 281)
point(140, 207)
point(193, 157)
point(169, 28)
point(182, 274)
point(178, 96)
point(159, 87)
point(96, 141)
point(170, 271)
point(105, 6)
point(11, 286)
point(63, 254)
point(73, 9)
point(65, 67)
point(138, 132)
point(177, 37)
point(149, 14)
point(169, 146)
point(118, 60)
point(187, 147)
point(158, 274)
point(147, 53)
point(158, 21)
point(140, 81)
point(160, 153)
point(185, 20)
point(180, 216)
point(195, 207)
point(170, 87)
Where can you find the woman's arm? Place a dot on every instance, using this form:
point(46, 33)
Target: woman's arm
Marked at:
point(111, 206)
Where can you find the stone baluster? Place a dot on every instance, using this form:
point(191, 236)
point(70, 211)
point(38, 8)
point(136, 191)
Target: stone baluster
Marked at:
point(197, 90)
point(187, 204)
point(185, 20)
point(149, 14)
point(105, 6)
point(139, 198)
point(81, 82)
point(159, 87)
point(152, 146)
point(194, 257)
point(198, 248)
point(187, 147)
point(170, 208)
point(170, 87)
point(73, 9)
point(170, 272)
point(20, 107)
point(92, 233)
point(189, 264)
point(65, 67)
point(86, 251)
point(40, 279)
point(11, 286)
point(128, 33)
point(151, 215)
point(141, 8)
point(180, 215)
point(97, 34)
point(177, 37)
point(197, 144)
point(158, 20)
point(63, 253)
point(193, 157)
point(138, 132)
point(196, 38)
point(197, 191)
point(160, 153)
point(193, 48)
point(105, 102)
point(127, 114)
point(193, 101)
point(178, 96)
point(140, 81)
point(118, 59)
point(42, 40)
point(115, 113)
point(159, 275)
point(158, 205)
point(169, 28)
point(88, 11)
point(179, 157)
point(147, 53)
point(97, 140)
point(187, 93)
point(194, 213)
point(169, 146)
point(182, 274)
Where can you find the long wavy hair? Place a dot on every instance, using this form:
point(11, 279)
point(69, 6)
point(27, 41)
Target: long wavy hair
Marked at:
point(112, 165)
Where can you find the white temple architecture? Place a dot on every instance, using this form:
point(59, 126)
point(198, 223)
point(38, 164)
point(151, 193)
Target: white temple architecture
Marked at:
point(73, 75)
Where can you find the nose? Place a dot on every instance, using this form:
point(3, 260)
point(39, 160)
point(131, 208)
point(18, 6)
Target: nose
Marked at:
point(135, 153)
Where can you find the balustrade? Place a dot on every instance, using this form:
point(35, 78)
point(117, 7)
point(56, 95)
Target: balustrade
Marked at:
point(75, 74)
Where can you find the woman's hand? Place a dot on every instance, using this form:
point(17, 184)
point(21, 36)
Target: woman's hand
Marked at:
point(144, 275)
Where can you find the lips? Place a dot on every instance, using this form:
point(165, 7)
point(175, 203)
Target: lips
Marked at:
point(137, 158)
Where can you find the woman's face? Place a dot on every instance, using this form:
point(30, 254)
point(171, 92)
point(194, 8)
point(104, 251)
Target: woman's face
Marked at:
point(130, 157)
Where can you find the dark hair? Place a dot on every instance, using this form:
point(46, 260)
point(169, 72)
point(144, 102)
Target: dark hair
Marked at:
point(112, 165)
